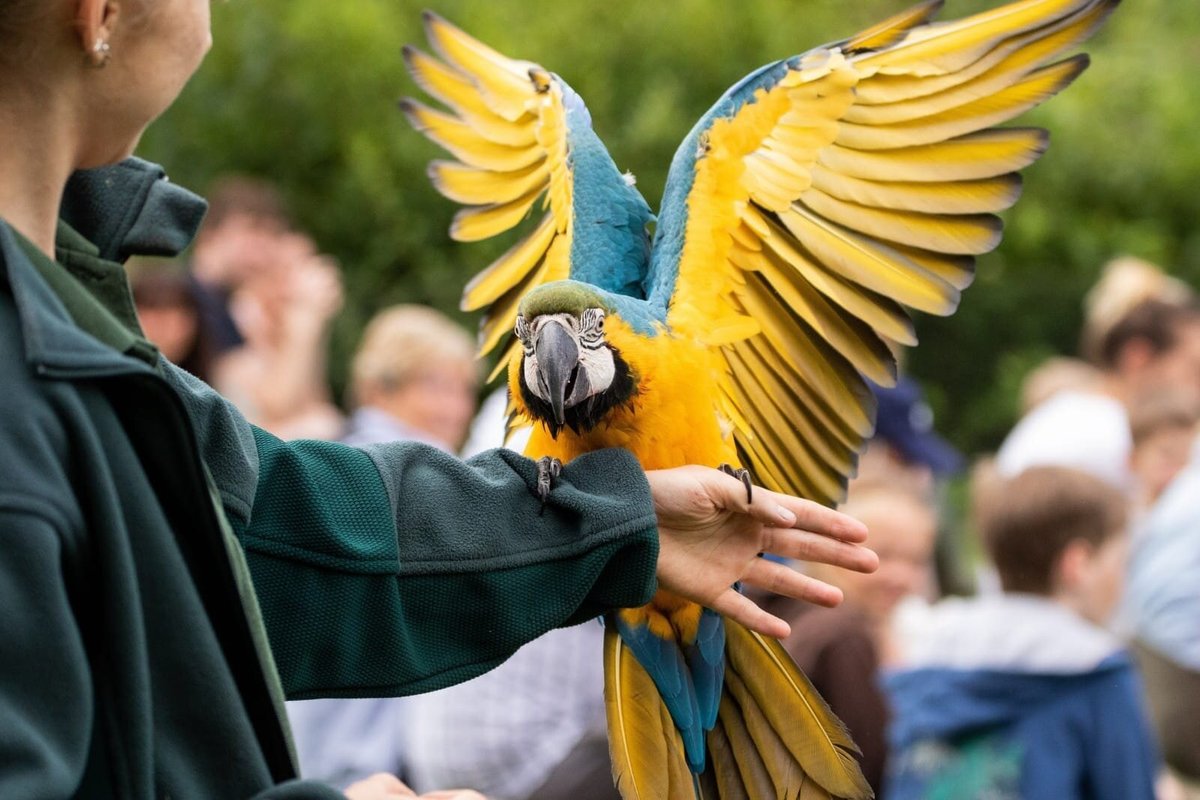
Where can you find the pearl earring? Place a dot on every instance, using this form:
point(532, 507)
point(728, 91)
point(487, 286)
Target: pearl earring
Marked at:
point(101, 53)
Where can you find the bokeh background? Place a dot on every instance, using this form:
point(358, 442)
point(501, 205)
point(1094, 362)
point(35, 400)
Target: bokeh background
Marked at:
point(304, 92)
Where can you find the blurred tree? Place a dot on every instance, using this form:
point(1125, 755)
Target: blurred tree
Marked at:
point(304, 91)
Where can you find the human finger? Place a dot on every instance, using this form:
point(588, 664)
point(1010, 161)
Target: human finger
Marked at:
point(806, 546)
point(742, 609)
point(820, 519)
point(379, 785)
point(773, 508)
point(782, 579)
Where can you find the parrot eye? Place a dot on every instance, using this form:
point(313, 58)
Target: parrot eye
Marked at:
point(591, 327)
point(521, 329)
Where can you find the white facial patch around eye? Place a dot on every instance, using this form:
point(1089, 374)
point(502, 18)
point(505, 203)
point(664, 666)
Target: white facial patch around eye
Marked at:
point(595, 359)
point(599, 367)
point(521, 329)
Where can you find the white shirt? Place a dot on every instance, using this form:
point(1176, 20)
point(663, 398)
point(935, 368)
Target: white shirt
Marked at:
point(505, 731)
point(1082, 430)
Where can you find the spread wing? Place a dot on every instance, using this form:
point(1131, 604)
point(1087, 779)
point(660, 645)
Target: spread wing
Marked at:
point(824, 195)
point(519, 133)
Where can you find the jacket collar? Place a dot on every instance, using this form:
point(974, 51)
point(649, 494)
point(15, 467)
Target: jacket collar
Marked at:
point(119, 211)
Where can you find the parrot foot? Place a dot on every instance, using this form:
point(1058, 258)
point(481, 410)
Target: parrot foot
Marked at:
point(548, 470)
point(742, 475)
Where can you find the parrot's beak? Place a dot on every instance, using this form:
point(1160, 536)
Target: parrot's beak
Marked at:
point(557, 366)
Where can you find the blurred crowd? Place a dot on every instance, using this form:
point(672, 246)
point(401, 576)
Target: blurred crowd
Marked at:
point(1045, 643)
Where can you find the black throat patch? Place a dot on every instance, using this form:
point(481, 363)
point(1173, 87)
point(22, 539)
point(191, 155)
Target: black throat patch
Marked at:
point(584, 416)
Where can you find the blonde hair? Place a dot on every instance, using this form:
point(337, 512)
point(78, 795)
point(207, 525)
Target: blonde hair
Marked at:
point(1125, 283)
point(400, 340)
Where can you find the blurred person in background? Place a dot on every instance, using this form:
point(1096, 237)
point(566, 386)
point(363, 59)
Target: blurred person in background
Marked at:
point(905, 446)
point(168, 309)
point(244, 216)
point(1026, 694)
point(1163, 432)
point(267, 298)
point(842, 649)
point(906, 449)
point(283, 310)
point(1142, 331)
point(414, 377)
point(1161, 614)
point(1058, 374)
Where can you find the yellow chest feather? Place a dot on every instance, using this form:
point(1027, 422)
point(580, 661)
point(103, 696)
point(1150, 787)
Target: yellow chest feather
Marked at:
point(672, 418)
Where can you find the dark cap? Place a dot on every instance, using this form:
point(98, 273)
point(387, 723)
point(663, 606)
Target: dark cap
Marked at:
point(905, 421)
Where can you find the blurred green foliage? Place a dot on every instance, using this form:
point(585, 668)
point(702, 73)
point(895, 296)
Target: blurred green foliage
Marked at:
point(303, 92)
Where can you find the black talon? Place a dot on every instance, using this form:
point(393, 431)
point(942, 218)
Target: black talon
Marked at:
point(548, 470)
point(742, 475)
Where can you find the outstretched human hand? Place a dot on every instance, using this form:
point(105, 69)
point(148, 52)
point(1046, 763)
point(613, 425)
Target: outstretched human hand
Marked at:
point(710, 537)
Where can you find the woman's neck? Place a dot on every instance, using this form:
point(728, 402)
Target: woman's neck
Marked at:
point(37, 156)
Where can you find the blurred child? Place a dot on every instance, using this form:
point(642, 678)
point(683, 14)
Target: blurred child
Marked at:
point(841, 649)
point(1026, 694)
point(1163, 427)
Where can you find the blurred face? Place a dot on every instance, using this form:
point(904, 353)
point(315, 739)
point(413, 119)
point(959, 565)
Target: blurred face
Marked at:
point(1158, 459)
point(1093, 585)
point(171, 327)
point(156, 46)
point(1177, 369)
point(902, 532)
point(439, 401)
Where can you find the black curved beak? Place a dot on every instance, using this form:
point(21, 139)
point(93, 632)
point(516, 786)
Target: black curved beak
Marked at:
point(557, 366)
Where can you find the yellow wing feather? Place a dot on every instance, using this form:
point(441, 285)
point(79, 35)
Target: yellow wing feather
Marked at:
point(638, 741)
point(860, 183)
point(816, 739)
point(505, 125)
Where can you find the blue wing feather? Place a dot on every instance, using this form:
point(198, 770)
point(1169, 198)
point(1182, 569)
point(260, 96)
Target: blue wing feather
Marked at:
point(706, 661)
point(610, 245)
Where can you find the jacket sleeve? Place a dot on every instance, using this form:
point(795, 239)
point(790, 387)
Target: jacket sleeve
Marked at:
point(398, 569)
point(45, 683)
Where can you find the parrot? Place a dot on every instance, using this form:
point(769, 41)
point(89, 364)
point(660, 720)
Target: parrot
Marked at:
point(819, 202)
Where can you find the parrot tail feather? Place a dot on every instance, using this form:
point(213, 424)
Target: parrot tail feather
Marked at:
point(775, 724)
point(647, 751)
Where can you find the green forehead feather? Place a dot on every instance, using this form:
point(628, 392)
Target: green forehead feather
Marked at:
point(561, 297)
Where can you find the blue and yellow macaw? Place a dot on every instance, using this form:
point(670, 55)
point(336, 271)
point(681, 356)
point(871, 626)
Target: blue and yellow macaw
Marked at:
point(821, 196)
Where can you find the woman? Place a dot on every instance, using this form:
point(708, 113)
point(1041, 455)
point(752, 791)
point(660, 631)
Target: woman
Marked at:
point(136, 505)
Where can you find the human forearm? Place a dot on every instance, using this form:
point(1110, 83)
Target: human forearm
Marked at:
point(408, 569)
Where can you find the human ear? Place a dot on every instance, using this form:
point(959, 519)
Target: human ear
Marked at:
point(95, 21)
point(1072, 564)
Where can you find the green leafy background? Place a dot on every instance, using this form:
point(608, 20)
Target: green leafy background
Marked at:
point(304, 92)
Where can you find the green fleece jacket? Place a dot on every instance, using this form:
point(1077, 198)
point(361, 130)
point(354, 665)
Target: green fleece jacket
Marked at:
point(133, 499)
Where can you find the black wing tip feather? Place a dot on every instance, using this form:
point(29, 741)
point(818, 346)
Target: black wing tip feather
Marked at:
point(408, 107)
